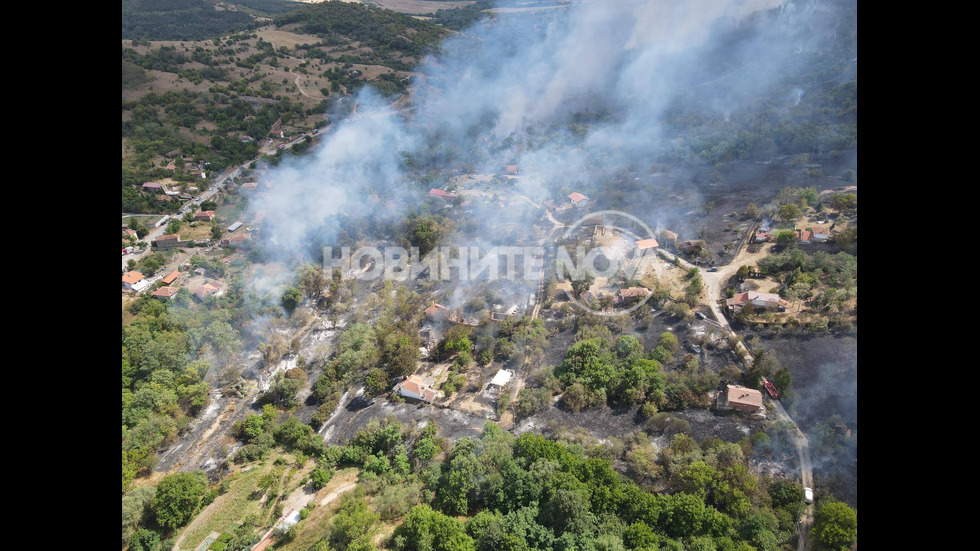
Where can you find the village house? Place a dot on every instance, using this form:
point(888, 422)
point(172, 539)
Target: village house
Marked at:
point(741, 398)
point(501, 378)
point(240, 240)
point(578, 199)
point(208, 289)
point(646, 244)
point(205, 215)
point(766, 301)
point(632, 294)
point(129, 233)
point(760, 237)
point(821, 235)
point(134, 280)
point(805, 236)
point(436, 311)
point(442, 193)
point(168, 241)
point(165, 293)
point(171, 277)
point(416, 388)
point(153, 186)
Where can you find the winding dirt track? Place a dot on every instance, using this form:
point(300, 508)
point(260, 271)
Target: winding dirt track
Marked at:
point(713, 282)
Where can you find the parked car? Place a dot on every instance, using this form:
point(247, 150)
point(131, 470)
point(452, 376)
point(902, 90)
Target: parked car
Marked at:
point(713, 269)
point(700, 315)
point(808, 495)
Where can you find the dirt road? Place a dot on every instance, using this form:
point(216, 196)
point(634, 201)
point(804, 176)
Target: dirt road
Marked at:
point(713, 284)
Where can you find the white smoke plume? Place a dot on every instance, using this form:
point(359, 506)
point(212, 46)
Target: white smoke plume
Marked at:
point(496, 88)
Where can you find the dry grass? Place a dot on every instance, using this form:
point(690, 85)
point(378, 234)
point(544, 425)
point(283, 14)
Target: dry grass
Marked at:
point(314, 527)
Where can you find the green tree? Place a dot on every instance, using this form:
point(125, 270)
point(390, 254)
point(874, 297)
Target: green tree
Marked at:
point(789, 212)
point(291, 297)
point(628, 345)
point(835, 526)
point(144, 540)
point(312, 280)
point(427, 530)
point(177, 498)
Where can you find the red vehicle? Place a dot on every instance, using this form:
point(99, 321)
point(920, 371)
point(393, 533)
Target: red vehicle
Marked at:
point(771, 389)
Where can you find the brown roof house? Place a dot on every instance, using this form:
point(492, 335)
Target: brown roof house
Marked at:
point(208, 289)
point(165, 293)
point(170, 278)
point(442, 193)
point(742, 399)
point(134, 280)
point(578, 199)
point(436, 311)
point(768, 301)
point(646, 244)
point(167, 241)
point(632, 294)
point(206, 215)
point(415, 387)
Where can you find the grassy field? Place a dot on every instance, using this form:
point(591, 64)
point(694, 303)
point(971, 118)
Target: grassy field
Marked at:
point(242, 500)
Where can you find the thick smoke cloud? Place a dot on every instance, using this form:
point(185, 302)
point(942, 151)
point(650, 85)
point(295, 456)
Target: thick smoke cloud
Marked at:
point(494, 88)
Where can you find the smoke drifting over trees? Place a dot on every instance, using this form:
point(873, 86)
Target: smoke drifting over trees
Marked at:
point(579, 98)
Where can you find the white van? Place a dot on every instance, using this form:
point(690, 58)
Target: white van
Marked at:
point(808, 495)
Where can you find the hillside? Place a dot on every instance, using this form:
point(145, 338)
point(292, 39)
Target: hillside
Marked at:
point(216, 101)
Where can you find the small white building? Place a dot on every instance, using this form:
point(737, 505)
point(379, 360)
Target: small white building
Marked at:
point(502, 377)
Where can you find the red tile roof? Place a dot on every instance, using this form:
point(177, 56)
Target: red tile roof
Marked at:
point(442, 193)
point(170, 278)
point(165, 292)
point(644, 244)
point(746, 397)
point(132, 277)
point(436, 308)
point(576, 197)
point(634, 292)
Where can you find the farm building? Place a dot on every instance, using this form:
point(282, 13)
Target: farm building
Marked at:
point(234, 226)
